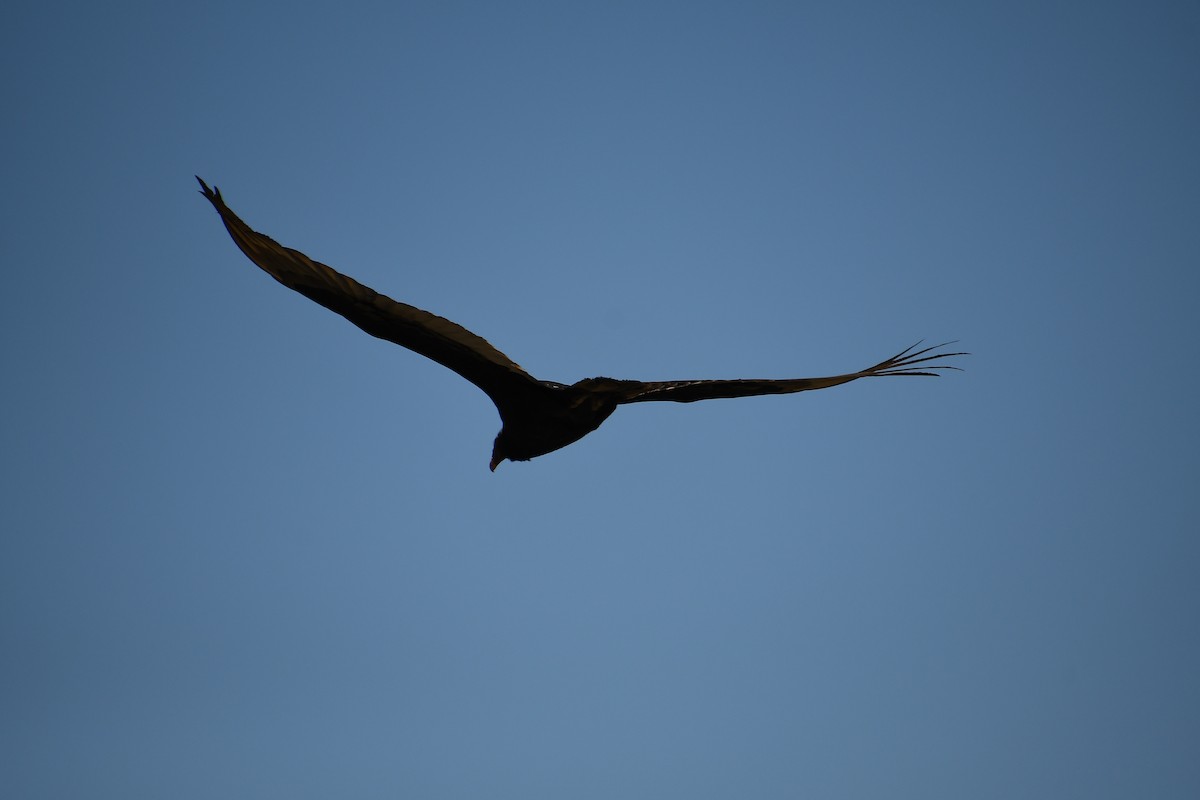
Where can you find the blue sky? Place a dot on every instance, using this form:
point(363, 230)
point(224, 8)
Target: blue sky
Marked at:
point(247, 550)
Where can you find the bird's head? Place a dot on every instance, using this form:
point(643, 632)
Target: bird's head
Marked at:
point(498, 452)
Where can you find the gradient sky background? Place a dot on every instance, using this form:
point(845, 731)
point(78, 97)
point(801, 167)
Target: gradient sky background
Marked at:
point(249, 551)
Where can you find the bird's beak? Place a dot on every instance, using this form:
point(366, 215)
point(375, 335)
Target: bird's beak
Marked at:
point(495, 463)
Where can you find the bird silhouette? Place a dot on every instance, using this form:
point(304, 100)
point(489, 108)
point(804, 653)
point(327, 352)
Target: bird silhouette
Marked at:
point(537, 416)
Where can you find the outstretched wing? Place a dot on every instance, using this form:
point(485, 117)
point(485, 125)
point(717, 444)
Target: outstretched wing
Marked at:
point(908, 362)
point(445, 342)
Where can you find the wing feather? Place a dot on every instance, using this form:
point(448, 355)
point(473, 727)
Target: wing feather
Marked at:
point(434, 337)
point(909, 361)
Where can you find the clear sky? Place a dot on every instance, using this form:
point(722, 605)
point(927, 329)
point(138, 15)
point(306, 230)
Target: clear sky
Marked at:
point(248, 551)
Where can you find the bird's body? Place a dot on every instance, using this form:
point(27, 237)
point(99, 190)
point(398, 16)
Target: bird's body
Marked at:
point(538, 416)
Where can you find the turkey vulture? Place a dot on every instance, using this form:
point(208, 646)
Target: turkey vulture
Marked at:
point(537, 416)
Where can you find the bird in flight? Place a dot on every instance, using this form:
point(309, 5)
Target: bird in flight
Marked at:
point(537, 417)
